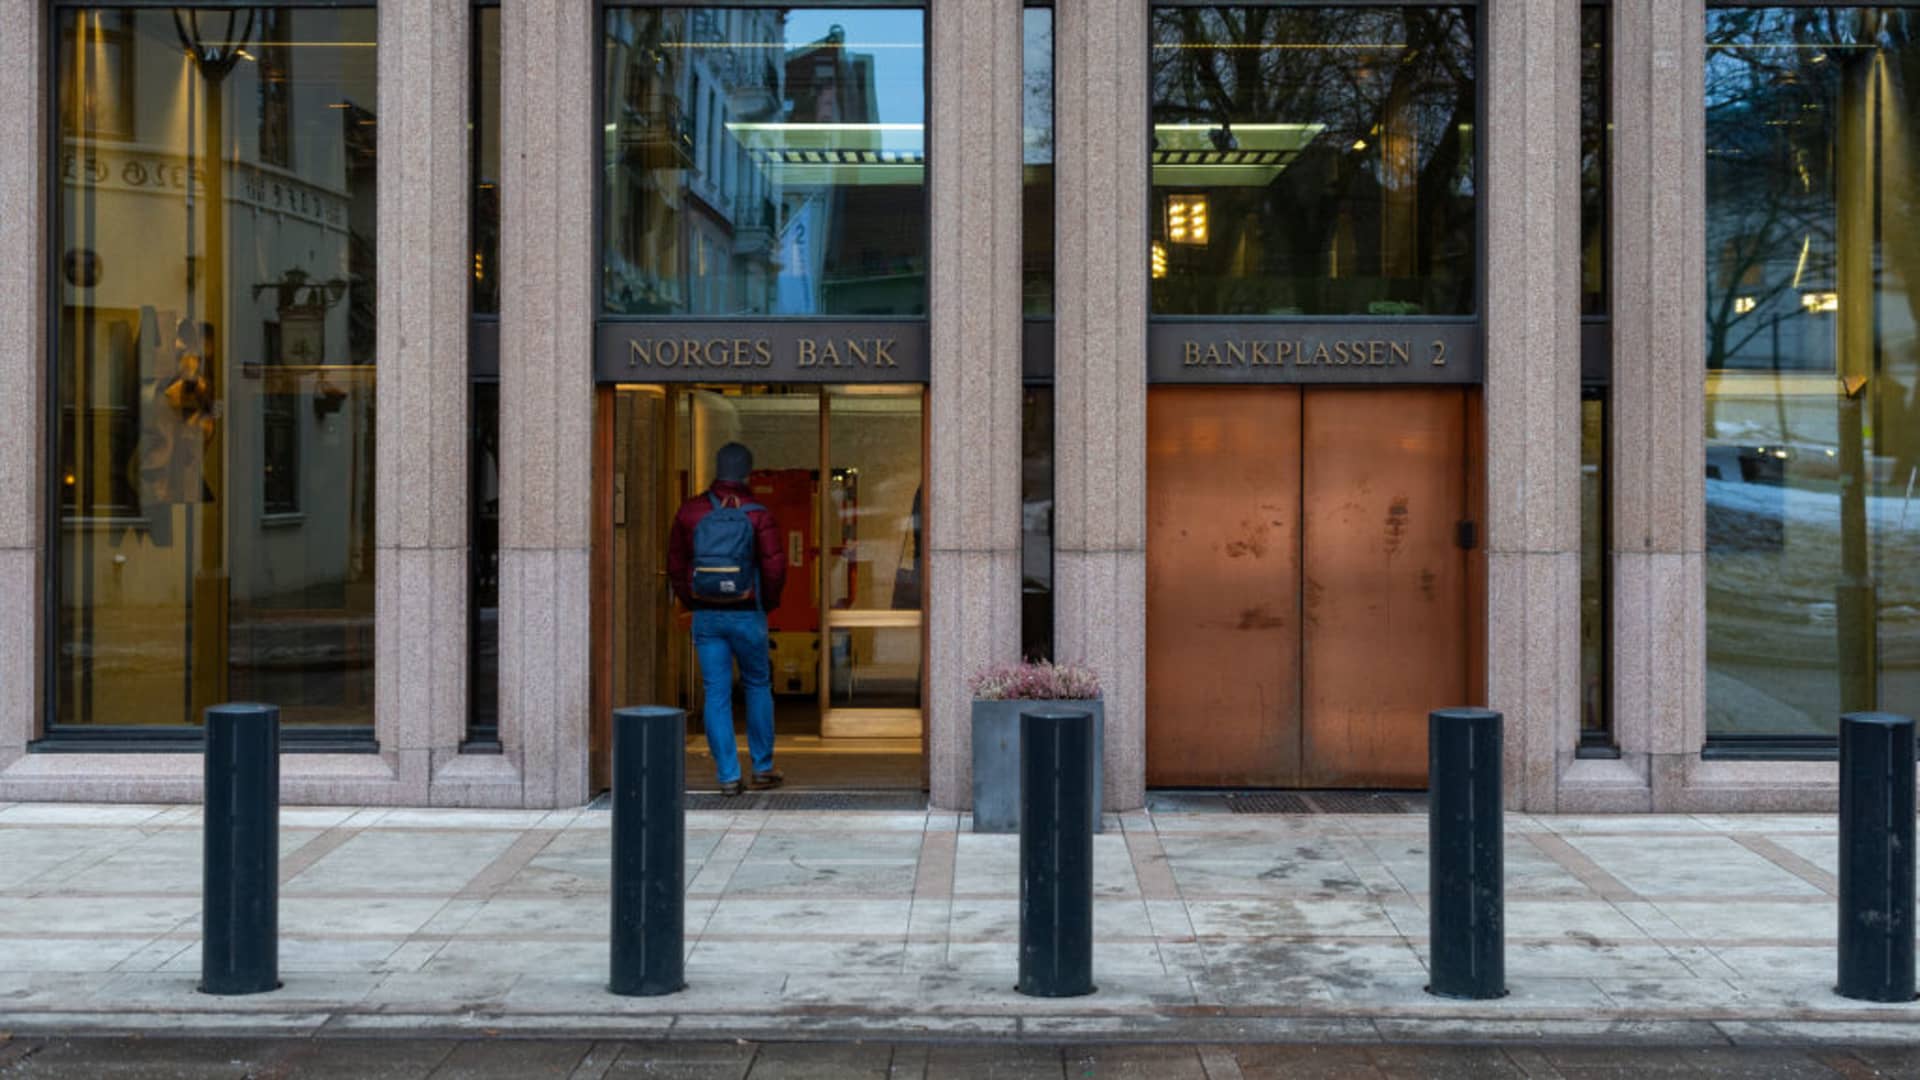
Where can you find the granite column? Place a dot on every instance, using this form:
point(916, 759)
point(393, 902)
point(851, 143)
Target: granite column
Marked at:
point(1100, 387)
point(547, 250)
point(1530, 68)
point(973, 522)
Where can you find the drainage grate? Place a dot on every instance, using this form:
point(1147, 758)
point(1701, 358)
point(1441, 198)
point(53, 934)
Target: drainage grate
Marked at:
point(1287, 802)
point(794, 800)
point(845, 800)
point(1268, 803)
point(1359, 802)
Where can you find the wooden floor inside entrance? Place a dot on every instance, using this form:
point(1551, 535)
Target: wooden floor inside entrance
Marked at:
point(1312, 582)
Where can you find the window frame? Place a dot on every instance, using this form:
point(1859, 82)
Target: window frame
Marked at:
point(1765, 746)
point(603, 317)
point(479, 735)
point(51, 735)
point(1475, 318)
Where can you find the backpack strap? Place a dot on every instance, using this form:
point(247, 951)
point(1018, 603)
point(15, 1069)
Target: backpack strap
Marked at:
point(714, 498)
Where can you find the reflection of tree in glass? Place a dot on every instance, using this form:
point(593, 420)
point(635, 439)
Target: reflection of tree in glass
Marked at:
point(1255, 64)
point(1811, 242)
point(1898, 416)
point(1379, 187)
point(1770, 230)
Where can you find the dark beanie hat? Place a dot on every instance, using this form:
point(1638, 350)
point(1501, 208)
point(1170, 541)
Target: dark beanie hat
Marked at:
point(733, 462)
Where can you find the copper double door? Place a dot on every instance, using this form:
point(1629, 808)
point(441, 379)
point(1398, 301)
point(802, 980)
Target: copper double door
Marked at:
point(1310, 583)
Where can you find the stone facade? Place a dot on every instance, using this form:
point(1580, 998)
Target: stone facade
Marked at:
point(1529, 81)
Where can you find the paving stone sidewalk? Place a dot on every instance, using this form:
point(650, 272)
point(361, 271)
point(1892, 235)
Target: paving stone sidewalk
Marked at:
point(1209, 928)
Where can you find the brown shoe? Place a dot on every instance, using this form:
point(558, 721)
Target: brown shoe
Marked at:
point(770, 778)
point(730, 788)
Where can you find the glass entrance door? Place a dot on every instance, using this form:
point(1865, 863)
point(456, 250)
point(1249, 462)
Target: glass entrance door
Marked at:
point(845, 640)
point(873, 666)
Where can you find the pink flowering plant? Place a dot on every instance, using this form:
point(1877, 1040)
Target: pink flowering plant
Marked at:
point(1035, 680)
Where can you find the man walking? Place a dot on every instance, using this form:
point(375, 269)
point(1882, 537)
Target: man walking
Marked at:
point(727, 564)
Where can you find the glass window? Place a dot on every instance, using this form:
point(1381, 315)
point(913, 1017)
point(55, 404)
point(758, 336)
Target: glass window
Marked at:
point(1036, 125)
point(483, 539)
point(1036, 413)
point(1595, 718)
point(483, 566)
point(1812, 420)
point(1596, 722)
point(827, 108)
point(1036, 523)
point(1313, 161)
point(486, 161)
point(214, 289)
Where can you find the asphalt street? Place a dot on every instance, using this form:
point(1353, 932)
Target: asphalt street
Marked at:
point(159, 1058)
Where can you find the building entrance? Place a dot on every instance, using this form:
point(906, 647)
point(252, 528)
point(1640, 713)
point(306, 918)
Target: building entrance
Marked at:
point(840, 468)
point(1310, 582)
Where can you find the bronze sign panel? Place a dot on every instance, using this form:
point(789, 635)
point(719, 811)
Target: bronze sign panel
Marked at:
point(761, 351)
point(1211, 351)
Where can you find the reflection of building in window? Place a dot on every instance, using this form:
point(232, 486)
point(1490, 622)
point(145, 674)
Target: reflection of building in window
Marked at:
point(215, 280)
point(865, 241)
point(100, 56)
point(275, 93)
point(280, 454)
point(99, 471)
point(361, 133)
point(751, 178)
point(1036, 211)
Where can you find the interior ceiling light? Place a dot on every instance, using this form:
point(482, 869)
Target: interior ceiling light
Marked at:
point(1188, 155)
point(1187, 219)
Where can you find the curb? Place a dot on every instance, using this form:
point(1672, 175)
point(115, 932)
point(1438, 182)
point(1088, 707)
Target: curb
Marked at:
point(966, 1028)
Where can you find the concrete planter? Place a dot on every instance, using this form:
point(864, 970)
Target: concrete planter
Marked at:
point(996, 760)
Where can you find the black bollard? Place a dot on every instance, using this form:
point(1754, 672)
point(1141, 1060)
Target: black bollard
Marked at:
point(1056, 853)
point(240, 886)
point(1466, 902)
point(649, 852)
point(1876, 857)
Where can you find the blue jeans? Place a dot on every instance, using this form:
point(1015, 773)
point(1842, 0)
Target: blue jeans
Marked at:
point(719, 639)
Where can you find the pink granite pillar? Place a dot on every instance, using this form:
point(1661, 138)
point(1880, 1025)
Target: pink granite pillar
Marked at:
point(973, 519)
